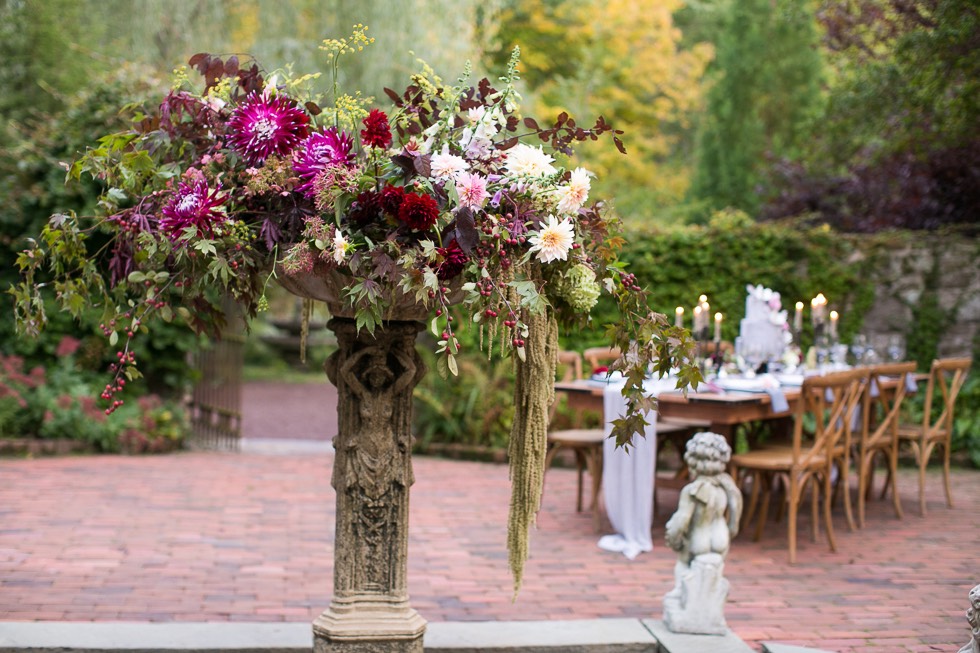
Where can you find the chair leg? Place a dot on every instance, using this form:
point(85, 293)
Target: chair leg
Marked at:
point(794, 502)
point(581, 462)
point(753, 503)
point(766, 492)
point(845, 488)
point(922, 457)
point(949, 491)
point(814, 511)
point(826, 513)
point(595, 460)
point(865, 470)
point(893, 474)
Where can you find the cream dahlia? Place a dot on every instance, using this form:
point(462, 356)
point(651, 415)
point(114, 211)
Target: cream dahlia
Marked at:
point(553, 241)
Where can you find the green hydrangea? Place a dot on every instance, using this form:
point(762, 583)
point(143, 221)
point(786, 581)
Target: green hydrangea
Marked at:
point(580, 289)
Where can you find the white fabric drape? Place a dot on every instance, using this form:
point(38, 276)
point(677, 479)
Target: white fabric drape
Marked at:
point(627, 478)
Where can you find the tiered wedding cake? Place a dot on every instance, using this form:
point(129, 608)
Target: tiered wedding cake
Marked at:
point(763, 334)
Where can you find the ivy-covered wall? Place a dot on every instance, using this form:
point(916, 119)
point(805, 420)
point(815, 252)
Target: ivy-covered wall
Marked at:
point(922, 287)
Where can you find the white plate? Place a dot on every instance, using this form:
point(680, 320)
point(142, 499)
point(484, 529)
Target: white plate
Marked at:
point(790, 379)
point(741, 385)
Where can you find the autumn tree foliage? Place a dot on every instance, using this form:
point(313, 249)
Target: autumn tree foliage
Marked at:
point(623, 60)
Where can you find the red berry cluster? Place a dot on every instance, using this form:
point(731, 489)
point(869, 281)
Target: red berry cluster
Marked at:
point(629, 281)
point(123, 358)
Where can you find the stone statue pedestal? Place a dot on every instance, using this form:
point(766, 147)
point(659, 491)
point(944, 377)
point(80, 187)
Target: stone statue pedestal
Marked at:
point(697, 604)
point(374, 375)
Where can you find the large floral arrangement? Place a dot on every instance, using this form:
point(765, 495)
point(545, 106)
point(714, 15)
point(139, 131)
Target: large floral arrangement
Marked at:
point(449, 196)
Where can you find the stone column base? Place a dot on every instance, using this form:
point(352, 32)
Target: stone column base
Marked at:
point(368, 626)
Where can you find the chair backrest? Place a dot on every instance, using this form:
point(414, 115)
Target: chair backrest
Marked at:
point(882, 403)
point(947, 374)
point(570, 365)
point(598, 356)
point(832, 400)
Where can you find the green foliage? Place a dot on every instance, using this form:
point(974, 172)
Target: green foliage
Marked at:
point(475, 408)
point(721, 258)
point(765, 95)
point(34, 155)
point(966, 420)
point(59, 402)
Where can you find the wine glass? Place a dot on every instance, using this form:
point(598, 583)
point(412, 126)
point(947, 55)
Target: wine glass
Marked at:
point(858, 347)
point(895, 350)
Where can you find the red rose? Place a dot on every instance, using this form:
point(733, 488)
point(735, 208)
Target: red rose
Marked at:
point(376, 132)
point(419, 212)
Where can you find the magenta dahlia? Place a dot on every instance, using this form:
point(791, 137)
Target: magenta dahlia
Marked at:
point(262, 125)
point(376, 132)
point(319, 150)
point(193, 205)
point(419, 212)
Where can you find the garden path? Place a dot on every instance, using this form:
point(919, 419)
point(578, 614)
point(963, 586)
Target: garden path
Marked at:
point(200, 536)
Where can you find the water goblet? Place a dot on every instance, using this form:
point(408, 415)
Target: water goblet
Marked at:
point(895, 350)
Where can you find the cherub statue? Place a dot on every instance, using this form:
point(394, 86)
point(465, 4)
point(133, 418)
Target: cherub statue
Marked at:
point(707, 517)
point(973, 616)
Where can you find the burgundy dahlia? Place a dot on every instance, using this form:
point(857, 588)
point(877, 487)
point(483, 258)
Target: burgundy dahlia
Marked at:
point(193, 205)
point(419, 212)
point(319, 150)
point(263, 125)
point(391, 199)
point(376, 132)
point(365, 209)
point(453, 261)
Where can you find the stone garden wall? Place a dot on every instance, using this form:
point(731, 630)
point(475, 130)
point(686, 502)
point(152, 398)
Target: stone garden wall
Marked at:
point(932, 283)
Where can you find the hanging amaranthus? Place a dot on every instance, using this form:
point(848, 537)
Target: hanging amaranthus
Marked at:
point(533, 394)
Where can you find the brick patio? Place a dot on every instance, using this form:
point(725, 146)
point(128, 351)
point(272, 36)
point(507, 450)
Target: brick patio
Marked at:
point(245, 537)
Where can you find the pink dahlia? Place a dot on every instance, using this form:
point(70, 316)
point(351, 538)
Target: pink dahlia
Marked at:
point(193, 205)
point(419, 212)
point(317, 152)
point(262, 125)
point(376, 132)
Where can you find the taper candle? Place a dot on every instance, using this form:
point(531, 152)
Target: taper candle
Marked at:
point(718, 318)
point(679, 316)
point(798, 318)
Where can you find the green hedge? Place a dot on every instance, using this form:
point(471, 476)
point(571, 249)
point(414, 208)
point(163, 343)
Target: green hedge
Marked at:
point(677, 265)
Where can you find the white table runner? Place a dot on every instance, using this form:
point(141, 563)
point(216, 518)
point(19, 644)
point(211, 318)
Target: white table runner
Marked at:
point(627, 478)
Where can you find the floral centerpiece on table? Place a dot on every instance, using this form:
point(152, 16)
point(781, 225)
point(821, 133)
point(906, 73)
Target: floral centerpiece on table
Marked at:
point(449, 196)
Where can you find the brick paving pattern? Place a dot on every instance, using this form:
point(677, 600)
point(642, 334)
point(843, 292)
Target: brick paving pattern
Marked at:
point(245, 537)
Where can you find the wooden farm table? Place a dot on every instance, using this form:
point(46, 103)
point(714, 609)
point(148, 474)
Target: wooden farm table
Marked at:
point(724, 411)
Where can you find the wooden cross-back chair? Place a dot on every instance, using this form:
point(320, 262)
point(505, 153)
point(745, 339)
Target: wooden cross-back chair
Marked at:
point(879, 431)
point(586, 444)
point(831, 400)
point(946, 375)
point(600, 356)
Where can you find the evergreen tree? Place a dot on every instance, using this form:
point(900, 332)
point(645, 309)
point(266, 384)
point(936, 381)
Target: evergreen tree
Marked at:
point(765, 91)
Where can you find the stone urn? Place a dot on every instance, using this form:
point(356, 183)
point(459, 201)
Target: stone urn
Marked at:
point(374, 374)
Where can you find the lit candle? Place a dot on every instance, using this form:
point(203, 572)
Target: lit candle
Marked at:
point(703, 299)
point(697, 321)
point(818, 305)
point(833, 324)
point(679, 316)
point(717, 327)
point(798, 319)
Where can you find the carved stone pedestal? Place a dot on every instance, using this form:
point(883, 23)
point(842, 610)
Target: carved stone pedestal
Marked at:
point(374, 375)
